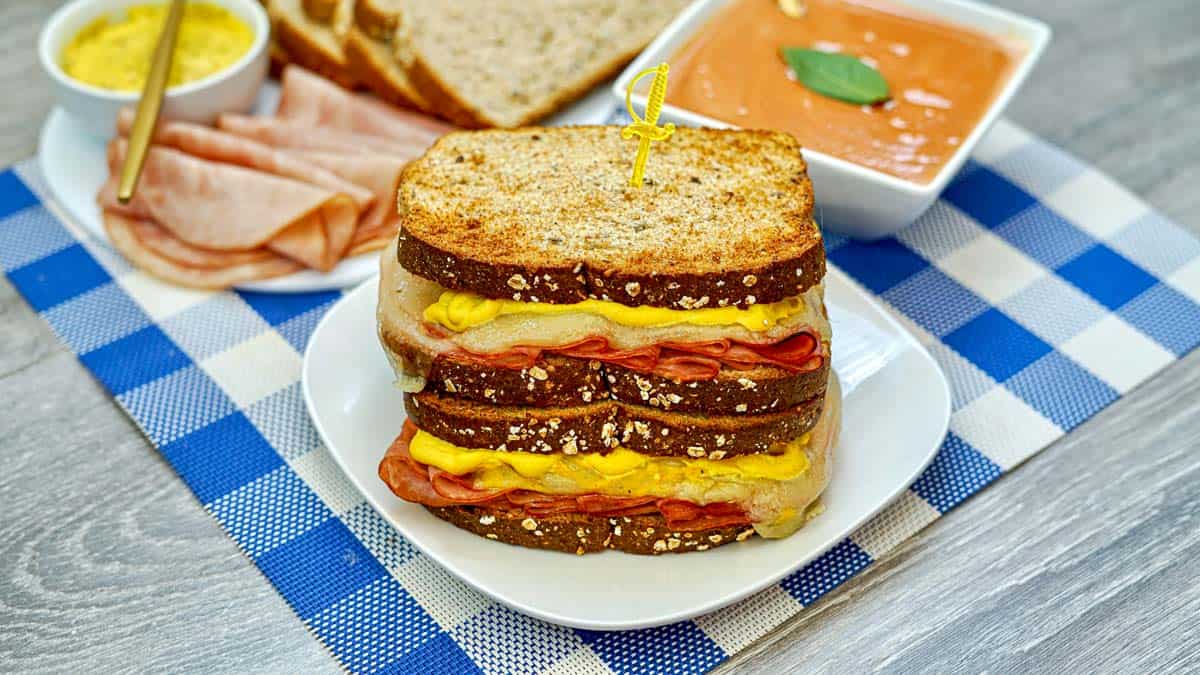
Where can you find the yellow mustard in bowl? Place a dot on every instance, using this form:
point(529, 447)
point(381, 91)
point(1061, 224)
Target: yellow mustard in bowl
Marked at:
point(115, 53)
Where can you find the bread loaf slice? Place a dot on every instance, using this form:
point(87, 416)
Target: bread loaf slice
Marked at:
point(572, 382)
point(372, 62)
point(601, 426)
point(507, 63)
point(580, 533)
point(548, 215)
point(314, 44)
point(379, 19)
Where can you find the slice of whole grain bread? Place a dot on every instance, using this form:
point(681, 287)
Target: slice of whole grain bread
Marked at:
point(571, 382)
point(507, 63)
point(314, 44)
point(581, 533)
point(548, 215)
point(372, 62)
point(603, 425)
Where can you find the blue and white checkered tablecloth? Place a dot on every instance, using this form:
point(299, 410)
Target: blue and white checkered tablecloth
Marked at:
point(1045, 291)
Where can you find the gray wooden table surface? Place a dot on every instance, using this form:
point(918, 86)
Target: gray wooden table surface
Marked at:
point(1085, 559)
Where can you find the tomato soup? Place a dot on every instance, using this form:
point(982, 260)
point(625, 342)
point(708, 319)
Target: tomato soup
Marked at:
point(941, 78)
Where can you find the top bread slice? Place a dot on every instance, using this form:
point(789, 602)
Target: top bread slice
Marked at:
point(548, 215)
point(507, 63)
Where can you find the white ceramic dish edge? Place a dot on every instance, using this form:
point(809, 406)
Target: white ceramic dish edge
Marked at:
point(854, 200)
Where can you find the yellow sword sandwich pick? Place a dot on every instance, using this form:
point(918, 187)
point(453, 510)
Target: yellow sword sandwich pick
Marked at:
point(646, 128)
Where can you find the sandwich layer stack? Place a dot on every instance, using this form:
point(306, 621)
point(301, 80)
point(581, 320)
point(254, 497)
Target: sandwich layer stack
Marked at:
point(591, 365)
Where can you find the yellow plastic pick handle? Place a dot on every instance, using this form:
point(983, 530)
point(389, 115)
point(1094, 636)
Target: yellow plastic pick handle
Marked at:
point(646, 128)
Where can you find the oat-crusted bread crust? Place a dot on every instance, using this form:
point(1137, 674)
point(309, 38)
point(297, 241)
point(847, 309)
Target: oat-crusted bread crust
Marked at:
point(581, 533)
point(506, 63)
point(598, 427)
point(571, 382)
point(547, 215)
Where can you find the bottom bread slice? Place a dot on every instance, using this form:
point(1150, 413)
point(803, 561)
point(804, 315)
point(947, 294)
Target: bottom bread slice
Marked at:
point(581, 533)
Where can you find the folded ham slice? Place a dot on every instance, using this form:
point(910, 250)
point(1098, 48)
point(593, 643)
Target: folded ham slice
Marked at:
point(224, 207)
point(311, 99)
point(413, 481)
point(378, 173)
point(682, 362)
point(292, 135)
point(130, 237)
point(173, 248)
point(220, 146)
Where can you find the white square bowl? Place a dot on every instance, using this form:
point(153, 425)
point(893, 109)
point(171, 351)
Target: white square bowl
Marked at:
point(855, 200)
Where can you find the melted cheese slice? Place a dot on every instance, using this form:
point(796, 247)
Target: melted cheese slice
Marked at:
point(461, 310)
point(620, 472)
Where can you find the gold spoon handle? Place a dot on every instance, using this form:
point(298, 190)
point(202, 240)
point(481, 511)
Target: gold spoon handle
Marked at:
point(150, 104)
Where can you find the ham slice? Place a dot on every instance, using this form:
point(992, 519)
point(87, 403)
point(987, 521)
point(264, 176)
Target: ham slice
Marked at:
point(224, 207)
point(415, 482)
point(123, 233)
point(682, 362)
point(378, 173)
point(220, 146)
point(315, 101)
point(291, 135)
point(168, 246)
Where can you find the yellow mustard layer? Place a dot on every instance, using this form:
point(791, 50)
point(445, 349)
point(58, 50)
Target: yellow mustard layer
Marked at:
point(620, 472)
point(115, 54)
point(459, 310)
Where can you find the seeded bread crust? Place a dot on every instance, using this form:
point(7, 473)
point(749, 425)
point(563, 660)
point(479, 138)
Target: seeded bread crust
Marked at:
point(725, 218)
point(601, 426)
point(571, 382)
point(579, 533)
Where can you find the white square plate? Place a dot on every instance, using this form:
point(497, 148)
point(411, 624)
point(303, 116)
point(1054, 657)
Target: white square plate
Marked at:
point(896, 408)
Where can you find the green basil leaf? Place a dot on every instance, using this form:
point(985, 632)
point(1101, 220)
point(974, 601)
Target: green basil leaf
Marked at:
point(839, 76)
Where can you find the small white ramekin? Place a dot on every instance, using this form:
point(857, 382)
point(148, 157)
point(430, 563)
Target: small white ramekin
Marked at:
point(855, 200)
point(233, 89)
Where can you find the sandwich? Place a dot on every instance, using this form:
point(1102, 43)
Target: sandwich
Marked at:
point(588, 365)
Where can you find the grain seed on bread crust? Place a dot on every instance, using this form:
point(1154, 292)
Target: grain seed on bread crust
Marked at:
point(599, 427)
point(734, 205)
point(580, 533)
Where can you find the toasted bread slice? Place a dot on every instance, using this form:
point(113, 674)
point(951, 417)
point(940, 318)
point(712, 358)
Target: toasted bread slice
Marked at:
point(572, 382)
point(372, 62)
point(548, 215)
point(580, 533)
point(601, 426)
point(313, 44)
point(507, 63)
